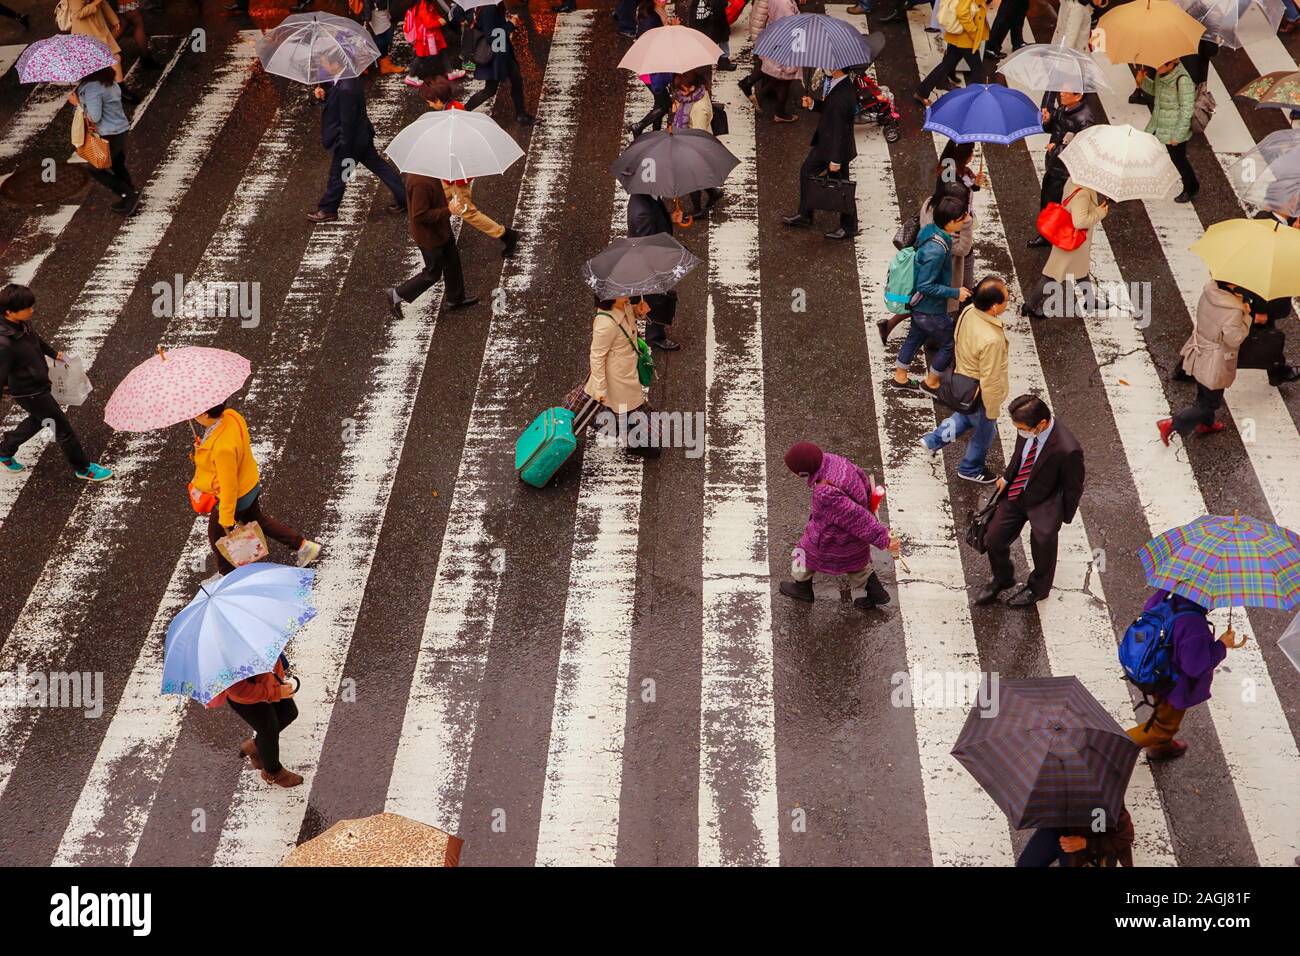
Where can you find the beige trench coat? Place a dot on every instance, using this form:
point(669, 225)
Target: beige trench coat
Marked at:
point(613, 361)
point(1086, 212)
point(94, 18)
point(1222, 324)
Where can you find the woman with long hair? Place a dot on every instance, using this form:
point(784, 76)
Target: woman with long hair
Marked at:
point(100, 97)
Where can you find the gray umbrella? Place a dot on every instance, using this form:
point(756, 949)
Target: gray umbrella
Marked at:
point(673, 163)
point(641, 265)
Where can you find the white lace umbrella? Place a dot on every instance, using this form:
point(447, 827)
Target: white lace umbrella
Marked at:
point(316, 48)
point(454, 144)
point(1048, 66)
point(1120, 162)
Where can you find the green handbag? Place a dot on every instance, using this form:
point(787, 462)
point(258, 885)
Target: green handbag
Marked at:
point(645, 363)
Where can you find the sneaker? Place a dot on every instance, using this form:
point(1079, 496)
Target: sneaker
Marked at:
point(665, 345)
point(11, 464)
point(413, 81)
point(456, 75)
point(911, 385)
point(94, 472)
point(307, 553)
point(932, 452)
point(931, 390)
point(985, 477)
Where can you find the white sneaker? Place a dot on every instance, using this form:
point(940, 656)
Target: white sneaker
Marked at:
point(456, 75)
point(932, 452)
point(308, 553)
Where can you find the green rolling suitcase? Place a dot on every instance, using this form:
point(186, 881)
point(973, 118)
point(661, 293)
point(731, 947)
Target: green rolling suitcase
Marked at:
point(544, 446)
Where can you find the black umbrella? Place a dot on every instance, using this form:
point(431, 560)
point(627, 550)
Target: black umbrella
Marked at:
point(641, 265)
point(673, 163)
point(1049, 755)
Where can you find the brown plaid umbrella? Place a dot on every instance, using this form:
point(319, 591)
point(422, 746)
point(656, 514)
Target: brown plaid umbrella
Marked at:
point(386, 839)
point(1049, 755)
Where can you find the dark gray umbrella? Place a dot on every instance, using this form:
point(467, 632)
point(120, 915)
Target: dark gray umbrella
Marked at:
point(641, 265)
point(1049, 755)
point(673, 163)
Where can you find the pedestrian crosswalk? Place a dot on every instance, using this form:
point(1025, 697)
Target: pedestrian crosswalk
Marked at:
point(517, 679)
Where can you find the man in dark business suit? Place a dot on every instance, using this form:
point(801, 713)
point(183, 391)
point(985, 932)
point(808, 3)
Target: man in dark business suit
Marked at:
point(833, 148)
point(649, 216)
point(346, 131)
point(1043, 484)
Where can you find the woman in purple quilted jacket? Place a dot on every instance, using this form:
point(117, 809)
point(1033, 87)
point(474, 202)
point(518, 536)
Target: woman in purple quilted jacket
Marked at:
point(841, 529)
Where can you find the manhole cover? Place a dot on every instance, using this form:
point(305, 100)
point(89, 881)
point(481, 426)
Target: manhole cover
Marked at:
point(38, 183)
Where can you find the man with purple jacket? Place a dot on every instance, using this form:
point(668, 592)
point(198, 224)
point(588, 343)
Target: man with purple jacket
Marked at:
point(1196, 653)
point(841, 529)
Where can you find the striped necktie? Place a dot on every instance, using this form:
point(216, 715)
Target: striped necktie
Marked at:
point(1022, 476)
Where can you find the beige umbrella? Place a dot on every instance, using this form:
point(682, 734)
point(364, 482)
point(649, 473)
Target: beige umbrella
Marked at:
point(672, 49)
point(1149, 32)
point(386, 839)
point(1120, 162)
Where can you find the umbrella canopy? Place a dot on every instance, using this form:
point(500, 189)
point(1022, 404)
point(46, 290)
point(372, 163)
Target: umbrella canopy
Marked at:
point(235, 629)
point(1121, 162)
point(63, 58)
point(172, 387)
point(671, 49)
point(1269, 174)
point(1258, 88)
point(639, 265)
point(817, 41)
point(316, 48)
point(1236, 23)
point(1221, 561)
point(1048, 66)
point(1290, 642)
point(385, 839)
point(984, 113)
point(1050, 755)
point(1149, 32)
point(1280, 89)
point(454, 144)
point(673, 163)
point(1256, 254)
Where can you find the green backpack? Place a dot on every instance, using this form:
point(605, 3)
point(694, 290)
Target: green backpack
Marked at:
point(645, 363)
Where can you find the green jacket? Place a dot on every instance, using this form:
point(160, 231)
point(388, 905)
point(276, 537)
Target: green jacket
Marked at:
point(1175, 95)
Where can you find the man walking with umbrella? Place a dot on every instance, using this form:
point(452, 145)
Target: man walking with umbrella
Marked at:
point(833, 148)
point(346, 131)
point(429, 217)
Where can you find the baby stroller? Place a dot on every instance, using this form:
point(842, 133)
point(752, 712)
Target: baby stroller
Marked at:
point(875, 104)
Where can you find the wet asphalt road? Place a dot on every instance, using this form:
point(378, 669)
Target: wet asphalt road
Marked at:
point(843, 753)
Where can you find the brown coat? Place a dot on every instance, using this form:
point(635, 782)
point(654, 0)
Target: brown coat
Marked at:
point(1086, 213)
point(94, 18)
point(426, 211)
point(613, 361)
point(1222, 324)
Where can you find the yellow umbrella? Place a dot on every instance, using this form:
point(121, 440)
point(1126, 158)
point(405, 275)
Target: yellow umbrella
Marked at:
point(1149, 32)
point(1260, 255)
point(385, 839)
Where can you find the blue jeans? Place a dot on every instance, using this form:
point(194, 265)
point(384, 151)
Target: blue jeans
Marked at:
point(957, 424)
point(1043, 849)
point(1292, 11)
point(625, 14)
point(931, 327)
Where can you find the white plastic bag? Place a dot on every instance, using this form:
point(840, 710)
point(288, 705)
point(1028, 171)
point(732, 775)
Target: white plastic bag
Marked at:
point(68, 382)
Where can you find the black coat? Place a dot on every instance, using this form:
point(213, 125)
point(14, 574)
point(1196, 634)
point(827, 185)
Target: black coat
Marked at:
point(490, 19)
point(833, 140)
point(712, 24)
point(648, 216)
point(1064, 121)
point(345, 125)
point(22, 359)
point(1057, 478)
point(1275, 308)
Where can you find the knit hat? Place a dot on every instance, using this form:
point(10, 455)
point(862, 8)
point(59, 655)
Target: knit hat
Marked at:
point(803, 458)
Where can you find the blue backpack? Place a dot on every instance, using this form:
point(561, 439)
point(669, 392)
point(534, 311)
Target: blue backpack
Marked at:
point(1147, 650)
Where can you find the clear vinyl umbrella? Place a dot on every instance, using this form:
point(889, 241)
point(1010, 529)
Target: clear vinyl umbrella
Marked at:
point(317, 48)
point(1054, 67)
point(1235, 23)
point(1269, 175)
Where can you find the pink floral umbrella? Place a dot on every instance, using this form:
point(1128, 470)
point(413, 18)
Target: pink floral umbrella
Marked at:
point(172, 387)
point(63, 58)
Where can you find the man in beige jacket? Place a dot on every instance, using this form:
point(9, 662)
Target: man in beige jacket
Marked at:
point(981, 353)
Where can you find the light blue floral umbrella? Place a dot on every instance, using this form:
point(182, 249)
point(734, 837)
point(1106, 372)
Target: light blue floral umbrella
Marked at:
point(235, 629)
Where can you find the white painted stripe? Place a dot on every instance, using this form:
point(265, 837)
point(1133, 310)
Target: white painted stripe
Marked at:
point(966, 827)
point(57, 604)
point(738, 809)
point(1269, 54)
point(9, 56)
point(584, 766)
point(42, 105)
point(432, 760)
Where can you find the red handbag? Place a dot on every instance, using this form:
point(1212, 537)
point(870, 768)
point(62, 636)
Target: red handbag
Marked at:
point(1056, 225)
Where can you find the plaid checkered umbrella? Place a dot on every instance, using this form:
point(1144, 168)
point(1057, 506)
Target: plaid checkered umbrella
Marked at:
point(1220, 561)
point(1049, 755)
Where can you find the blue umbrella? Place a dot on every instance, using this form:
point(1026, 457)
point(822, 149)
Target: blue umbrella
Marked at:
point(814, 40)
point(235, 629)
point(984, 113)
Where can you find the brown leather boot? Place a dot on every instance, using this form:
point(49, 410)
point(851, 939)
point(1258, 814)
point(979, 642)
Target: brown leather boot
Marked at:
point(249, 749)
point(386, 65)
point(285, 778)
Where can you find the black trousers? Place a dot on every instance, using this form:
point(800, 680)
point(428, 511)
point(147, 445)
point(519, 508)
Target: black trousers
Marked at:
point(1208, 401)
point(40, 409)
point(1178, 153)
point(439, 262)
point(267, 720)
point(655, 116)
point(116, 177)
point(368, 157)
point(490, 88)
point(1053, 188)
point(951, 57)
point(776, 93)
point(1010, 19)
point(1004, 530)
point(814, 165)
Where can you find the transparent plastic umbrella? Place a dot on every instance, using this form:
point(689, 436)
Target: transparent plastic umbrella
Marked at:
point(317, 48)
point(454, 144)
point(1236, 23)
point(1269, 174)
point(1055, 67)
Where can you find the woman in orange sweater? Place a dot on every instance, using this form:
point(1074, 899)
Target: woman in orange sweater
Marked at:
point(265, 702)
point(224, 466)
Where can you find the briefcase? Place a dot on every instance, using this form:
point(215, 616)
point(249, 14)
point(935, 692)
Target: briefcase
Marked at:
point(719, 126)
point(832, 195)
point(979, 524)
point(1265, 347)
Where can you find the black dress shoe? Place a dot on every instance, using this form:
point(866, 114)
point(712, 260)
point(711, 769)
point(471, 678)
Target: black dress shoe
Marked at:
point(394, 302)
point(1280, 376)
point(320, 216)
point(463, 303)
point(525, 119)
point(1038, 242)
point(509, 239)
point(989, 593)
point(395, 207)
point(841, 233)
point(665, 345)
point(725, 65)
point(1025, 597)
point(800, 221)
point(1186, 196)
